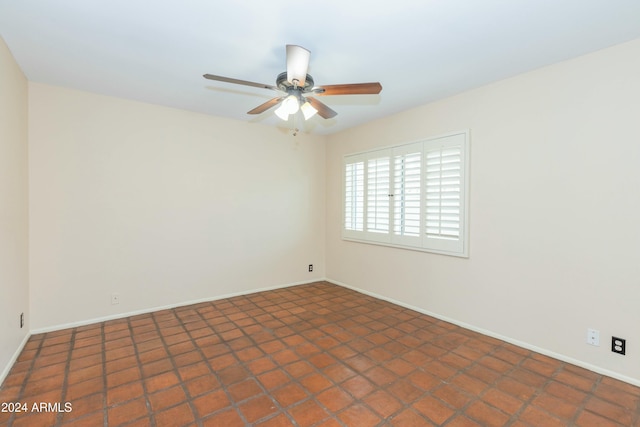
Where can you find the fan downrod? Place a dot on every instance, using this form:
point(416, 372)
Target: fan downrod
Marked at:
point(284, 85)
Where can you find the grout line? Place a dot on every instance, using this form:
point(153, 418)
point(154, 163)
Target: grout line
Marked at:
point(143, 384)
point(65, 381)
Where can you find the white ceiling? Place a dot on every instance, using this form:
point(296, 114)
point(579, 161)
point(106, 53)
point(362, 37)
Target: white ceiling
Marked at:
point(156, 51)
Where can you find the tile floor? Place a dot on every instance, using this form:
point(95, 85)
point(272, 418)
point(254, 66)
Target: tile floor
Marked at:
point(312, 355)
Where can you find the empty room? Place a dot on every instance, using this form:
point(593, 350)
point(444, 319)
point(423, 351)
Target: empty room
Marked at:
point(320, 214)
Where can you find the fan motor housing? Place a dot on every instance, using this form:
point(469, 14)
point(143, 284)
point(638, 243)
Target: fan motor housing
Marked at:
point(284, 85)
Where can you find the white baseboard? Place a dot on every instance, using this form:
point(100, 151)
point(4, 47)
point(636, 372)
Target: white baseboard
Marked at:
point(164, 307)
point(492, 334)
point(13, 359)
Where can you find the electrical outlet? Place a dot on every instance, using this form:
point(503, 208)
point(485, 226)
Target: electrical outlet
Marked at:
point(310, 268)
point(593, 337)
point(21, 320)
point(115, 299)
point(618, 345)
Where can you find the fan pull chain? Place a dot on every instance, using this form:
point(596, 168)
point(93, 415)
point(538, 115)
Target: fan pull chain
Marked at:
point(294, 129)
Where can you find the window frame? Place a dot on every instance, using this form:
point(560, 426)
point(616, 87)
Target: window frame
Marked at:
point(422, 242)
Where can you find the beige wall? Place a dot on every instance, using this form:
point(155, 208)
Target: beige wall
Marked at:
point(555, 202)
point(163, 206)
point(14, 286)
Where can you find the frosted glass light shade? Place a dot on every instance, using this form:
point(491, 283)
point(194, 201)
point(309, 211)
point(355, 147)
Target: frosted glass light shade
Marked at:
point(308, 110)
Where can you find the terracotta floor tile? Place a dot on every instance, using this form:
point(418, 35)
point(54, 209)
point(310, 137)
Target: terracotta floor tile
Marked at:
point(273, 379)
point(132, 410)
point(589, 419)
point(201, 385)
point(93, 403)
point(193, 371)
point(157, 367)
point(469, 384)
point(454, 396)
point(380, 376)
point(622, 386)
point(409, 418)
point(124, 376)
point(307, 413)
point(440, 370)
point(258, 408)
point(244, 390)
point(566, 393)
point(36, 419)
point(496, 364)
point(515, 388)
point(161, 381)
point(527, 377)
point(211, 402)
point(222, 362)
point(383, 403)
point(285, 357)
point(360, 363)
point(260, 365)
point(462, 421)
point(49, 370)
point(555, 406)
point(405, 391)
point(338, 372)
point(574, 380)
point(315, 383)
point(314, 355)
point(617, 395)
point(180, 415)
point(322, 360)
point(539, 418)
point(434, 409)
point(93, 419)
point(123, 393)
point(335, 399)
point(299, 369)
point(486, 415)
point(85, 388)
point(358, 415)
point(511, 405)
point(227, 418)
point(38, 386)
point(609, 410)
point(290, 394)
point(167, 398)
point(280, 420)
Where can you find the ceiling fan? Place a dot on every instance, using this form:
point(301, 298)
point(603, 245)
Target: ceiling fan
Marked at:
point(296, 86)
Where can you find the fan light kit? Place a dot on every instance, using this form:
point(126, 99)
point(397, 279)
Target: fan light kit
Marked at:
point(296, 85)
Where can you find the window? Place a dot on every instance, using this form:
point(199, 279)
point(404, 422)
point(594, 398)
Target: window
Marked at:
point(412, 196)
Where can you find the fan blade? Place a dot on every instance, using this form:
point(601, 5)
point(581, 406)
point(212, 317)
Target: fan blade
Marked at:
point(297, 64)
point(324, 111)
point(238, 82)
point(349, 89)
point(264, 107)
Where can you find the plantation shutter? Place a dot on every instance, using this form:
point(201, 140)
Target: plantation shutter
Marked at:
point(354, 196)
point(378, 178)
point(411, 196)
point(444, 197)
point(407, 194)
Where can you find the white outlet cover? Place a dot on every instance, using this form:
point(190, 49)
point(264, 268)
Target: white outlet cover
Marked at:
point(593, 337)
